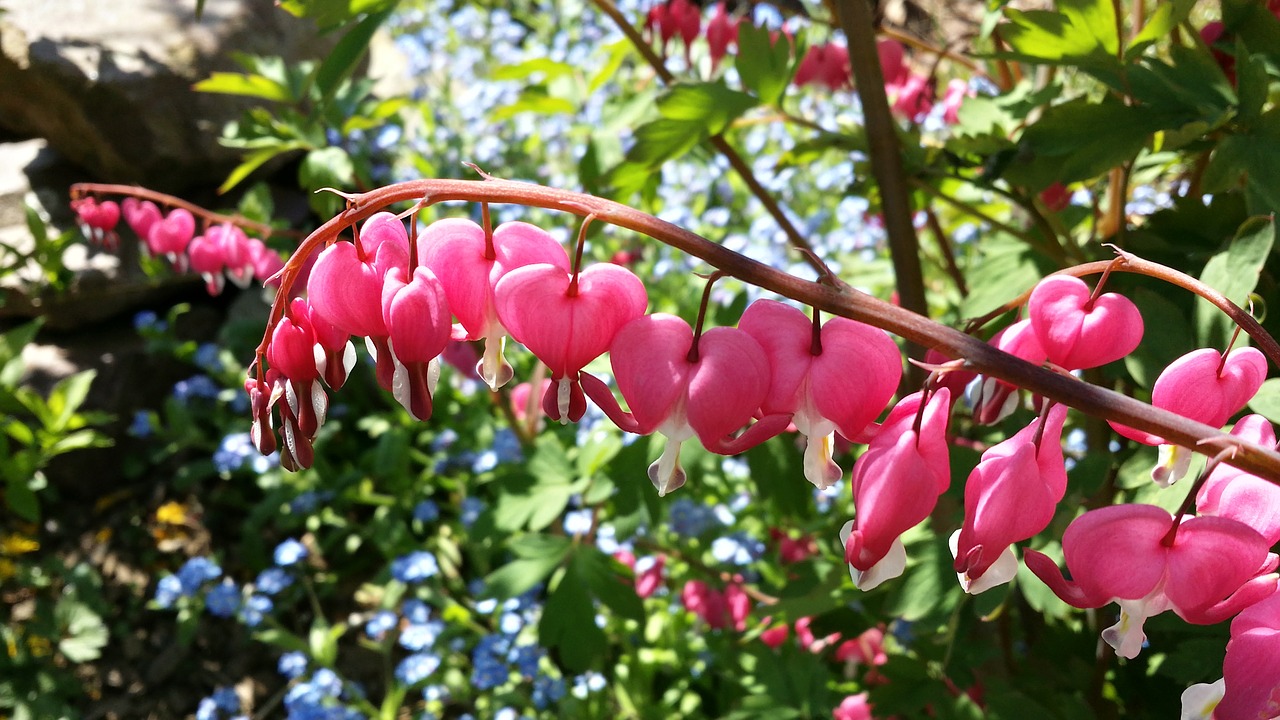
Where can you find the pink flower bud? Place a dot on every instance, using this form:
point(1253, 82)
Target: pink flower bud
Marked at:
point(650, 574)
point(416, 315)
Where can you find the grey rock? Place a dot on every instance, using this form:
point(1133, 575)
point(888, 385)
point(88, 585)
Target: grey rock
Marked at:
point(109, 83)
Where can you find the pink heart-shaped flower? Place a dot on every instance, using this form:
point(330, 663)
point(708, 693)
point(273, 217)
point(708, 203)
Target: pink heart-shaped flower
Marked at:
point(141, 215)
point(172, 234)
point(566, 331)
point(1078, 332)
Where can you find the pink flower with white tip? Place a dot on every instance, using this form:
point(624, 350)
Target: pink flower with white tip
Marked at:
point(1203, 385)
point(345, 287)
point(170, 236)
point(291, 353)
point(469, 264)
point(1232, 493)
point(208, 259)
point(681, 386)
point(99, 220)
point(1010, 496)
point(567, 321)
point(896, 483)
point(1079, 328)
point(141, 215)
point(416, 314)
point(1250, 684)
point(993, 399)
point(1205, 569)
point(839, 377)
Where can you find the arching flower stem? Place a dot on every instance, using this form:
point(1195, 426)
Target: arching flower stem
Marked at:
point(846, 302)
point(702, 314)
point(207, 217)
point(577, 256)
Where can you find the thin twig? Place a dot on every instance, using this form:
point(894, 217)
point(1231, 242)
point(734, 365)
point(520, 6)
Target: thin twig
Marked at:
point(213, 218)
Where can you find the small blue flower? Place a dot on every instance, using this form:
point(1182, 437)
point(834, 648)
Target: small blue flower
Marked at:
point(206, 358)
point(195, 571)
point(415, 567)
point(471, 509)
point(737, 548)
point(510, 623)
point(417, 667)
point(327, 682)
point(289, 552)
point(546, 691)
point(690, 519)
point(168, 590)
point(420, 636)
point(379, 624)
point(526, 659)
point(195, 387)
point(234, 451)
point(426, 511)
point(148, 320)
point(416, 611)
point(273, 580)
point(488, 673)
point(292, 664)
point(141, 425)
point(226, 699)
point(223, 600)
point(255, 609)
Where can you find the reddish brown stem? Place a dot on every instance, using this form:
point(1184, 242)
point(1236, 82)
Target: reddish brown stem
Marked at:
point(207, 216)
point(845, 302)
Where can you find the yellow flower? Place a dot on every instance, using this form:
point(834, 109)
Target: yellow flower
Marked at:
point(172, 513)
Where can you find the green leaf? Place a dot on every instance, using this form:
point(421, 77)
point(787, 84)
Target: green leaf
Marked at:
point(1166, 17)
point(12, 341)
point(763, 64)
point(84, 633)
point(538, 70)
point(68, 395)
point(1252, 154)
point(1159, 347)
point(614, 589)
point(1080, 140)
point(326, 167)
point(1252, 84)
point(1267, 401)
point(346, 54)
point(257, 159)
point(331, 13)
point(711, 105)
point(1004, 269)
point(22, 500)
point(247, 85)
point(539, 555)
point(567, 623)
point(1082, 33)
point(1253, 23)
point(1234, 273)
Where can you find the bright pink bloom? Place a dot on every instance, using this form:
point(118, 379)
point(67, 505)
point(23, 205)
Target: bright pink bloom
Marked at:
point(914, 97)
point(721, 33)
point(1232, 493)
point(993, 399)
point(208, 259)
point(469, 266)
point(866, 649)
point(265, 261)
point(841, 383)
point(1010, 496)
point(956, 380)
point(650, 572)
point(793, 550)
point(568, 321)
point(1203, 386)
point(345, 287)
point(853, 707)
point(520, 399)
point(826, 65)
point(957, 91)
point(808, 641)
point(1056, 197)
point(291, 353)
point(711, 396)
point(776, 635)
point(1213, 568)
point(1250, 670)
point(896, 483)
point(416, 314)
point(171, 236)
point(893, 64)
point(738, 604)
point(141, 216)
point(706, 602)
point(1078, 331)
point(99, 220)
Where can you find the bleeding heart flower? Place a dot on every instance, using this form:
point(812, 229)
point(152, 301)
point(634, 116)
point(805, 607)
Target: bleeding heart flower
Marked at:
point(1206, 571)
point(721, 33)
point(345, 286)
point(291, 353)
point(1010, 496)
point(711, 395)
point(840, 380)
point(993, 399)
point(568, 321)
point(1206, 387)
point(208, 258)
point(417, 318)
point(826, 65)
point(171, 236)
point(99, 220)
point(1079, 331)
point(141, 216)
point(1232, 493)
point(896, 483)
point(1250, 686)
point(469, 266)
point(649, 575)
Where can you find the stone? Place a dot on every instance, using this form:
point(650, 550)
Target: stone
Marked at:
point(108, 84)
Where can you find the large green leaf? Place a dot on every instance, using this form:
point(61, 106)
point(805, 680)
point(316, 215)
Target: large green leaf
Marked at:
point(1080, 140)
point(711, 106)
point(1234, 273)
point(568, 622)
point(1167, 16)
point(248, 85)
point(1251, 155)
point(1081, 33)
point(763, 63)
point(344, 57)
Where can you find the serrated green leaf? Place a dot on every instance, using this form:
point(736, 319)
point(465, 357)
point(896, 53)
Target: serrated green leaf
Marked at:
point(615, 590)
point(1082, 33)
point(568, 625)
point(326, 167)
point(539, 555)
point(1080, 140)
point(1234, 273)
point(244, 84)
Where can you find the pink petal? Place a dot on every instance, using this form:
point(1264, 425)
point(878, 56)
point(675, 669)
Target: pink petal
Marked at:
point(416, 315)
point(346, 292)
point(651, 368)
point(727, 385)
point(785, 334)
point(853, 350)
point(1077, 337)
point(1116, 551)
point(1210, 559)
